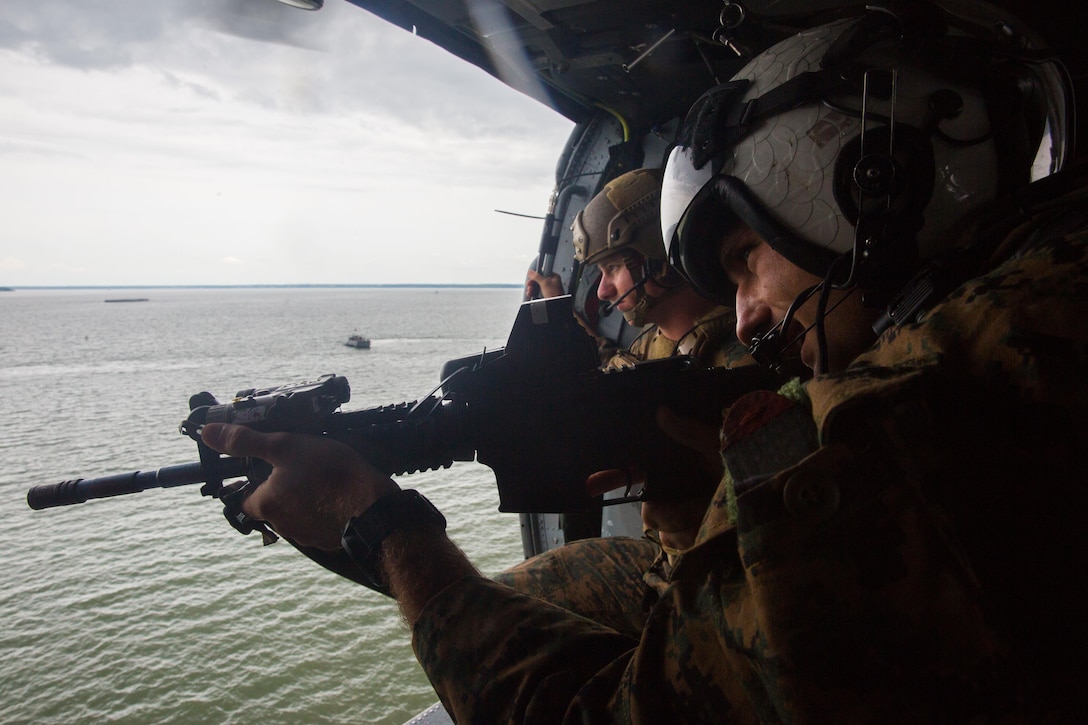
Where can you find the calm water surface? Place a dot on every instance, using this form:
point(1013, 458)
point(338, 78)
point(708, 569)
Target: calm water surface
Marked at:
point(149, 608)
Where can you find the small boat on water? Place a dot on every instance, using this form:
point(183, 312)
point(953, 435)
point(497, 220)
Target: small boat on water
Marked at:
point(363, 343)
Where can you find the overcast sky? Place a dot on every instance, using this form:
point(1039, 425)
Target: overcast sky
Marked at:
point(246, 142)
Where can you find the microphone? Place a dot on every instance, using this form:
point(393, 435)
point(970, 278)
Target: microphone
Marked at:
point(606, 307)
point(769, 348)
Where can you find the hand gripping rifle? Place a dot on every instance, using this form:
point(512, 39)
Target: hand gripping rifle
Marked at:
point(538, 411)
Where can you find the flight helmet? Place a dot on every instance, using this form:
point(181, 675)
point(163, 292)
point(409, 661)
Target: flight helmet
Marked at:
point(856, 147)
point(624, 219)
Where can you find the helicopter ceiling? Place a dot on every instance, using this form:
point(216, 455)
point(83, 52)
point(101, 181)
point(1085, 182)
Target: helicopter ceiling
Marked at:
point(642, 61)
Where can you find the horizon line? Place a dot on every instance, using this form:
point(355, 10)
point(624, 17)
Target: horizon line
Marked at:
point(414, 285)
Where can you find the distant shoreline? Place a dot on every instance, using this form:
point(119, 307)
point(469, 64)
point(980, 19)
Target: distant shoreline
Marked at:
point(263, 286)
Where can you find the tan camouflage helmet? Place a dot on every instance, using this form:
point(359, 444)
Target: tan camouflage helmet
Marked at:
point(624, 215)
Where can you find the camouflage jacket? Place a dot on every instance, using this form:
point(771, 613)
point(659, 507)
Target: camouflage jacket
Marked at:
point(909, 547)
point(712, 341)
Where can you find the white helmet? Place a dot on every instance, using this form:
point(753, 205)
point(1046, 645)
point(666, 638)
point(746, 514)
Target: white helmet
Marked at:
point(875, 135)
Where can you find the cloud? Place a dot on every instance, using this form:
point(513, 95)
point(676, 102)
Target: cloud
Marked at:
point(117, 33)
point(339, 59)
point(153, 141)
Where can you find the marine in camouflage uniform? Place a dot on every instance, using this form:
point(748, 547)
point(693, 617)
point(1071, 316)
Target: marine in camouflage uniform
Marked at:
point(917, 554)
point(621, 227)
point(712, 341)
point(623, 221)
point(902, 540)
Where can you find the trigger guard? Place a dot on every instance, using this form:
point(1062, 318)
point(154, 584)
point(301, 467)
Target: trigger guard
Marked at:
point(232, 497)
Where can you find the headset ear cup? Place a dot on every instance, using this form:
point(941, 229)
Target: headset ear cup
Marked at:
point(883, 190)
point(901, 179)
point(649, 269)
point(662, 273)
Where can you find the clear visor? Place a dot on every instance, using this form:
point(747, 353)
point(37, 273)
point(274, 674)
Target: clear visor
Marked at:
point(681, 182)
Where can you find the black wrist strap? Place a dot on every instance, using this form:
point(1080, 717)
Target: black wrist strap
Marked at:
point(404, 510)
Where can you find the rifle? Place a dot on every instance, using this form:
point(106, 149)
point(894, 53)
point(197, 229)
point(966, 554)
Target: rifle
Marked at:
point(538, 411)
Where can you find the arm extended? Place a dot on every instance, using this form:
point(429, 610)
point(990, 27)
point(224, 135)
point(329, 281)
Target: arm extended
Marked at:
point(538, 412)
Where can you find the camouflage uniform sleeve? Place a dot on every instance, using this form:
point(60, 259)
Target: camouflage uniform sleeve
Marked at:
point(601, 579)
point(496, 656)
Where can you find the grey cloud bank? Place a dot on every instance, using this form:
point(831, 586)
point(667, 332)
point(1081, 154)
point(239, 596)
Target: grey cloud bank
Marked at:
point(246, 142)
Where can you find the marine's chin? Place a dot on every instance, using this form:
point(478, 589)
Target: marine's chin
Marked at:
point(809, 357)
point(806, 350)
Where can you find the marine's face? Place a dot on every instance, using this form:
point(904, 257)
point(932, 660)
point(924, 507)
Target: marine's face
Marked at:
point(616, 282)
point(767, 284)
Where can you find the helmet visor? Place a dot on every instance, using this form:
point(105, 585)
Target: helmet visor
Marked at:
point(681, 183)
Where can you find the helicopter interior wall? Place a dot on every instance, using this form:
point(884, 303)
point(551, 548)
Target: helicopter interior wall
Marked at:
point(641, 60)
point(596, 153)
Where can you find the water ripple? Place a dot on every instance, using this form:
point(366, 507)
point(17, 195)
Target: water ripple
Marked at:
point(150, 608)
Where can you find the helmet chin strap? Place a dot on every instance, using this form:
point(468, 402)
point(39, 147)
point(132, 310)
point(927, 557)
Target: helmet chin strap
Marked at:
point(637, 316)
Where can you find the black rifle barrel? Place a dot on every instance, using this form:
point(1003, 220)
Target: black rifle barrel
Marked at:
point(82, 489)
